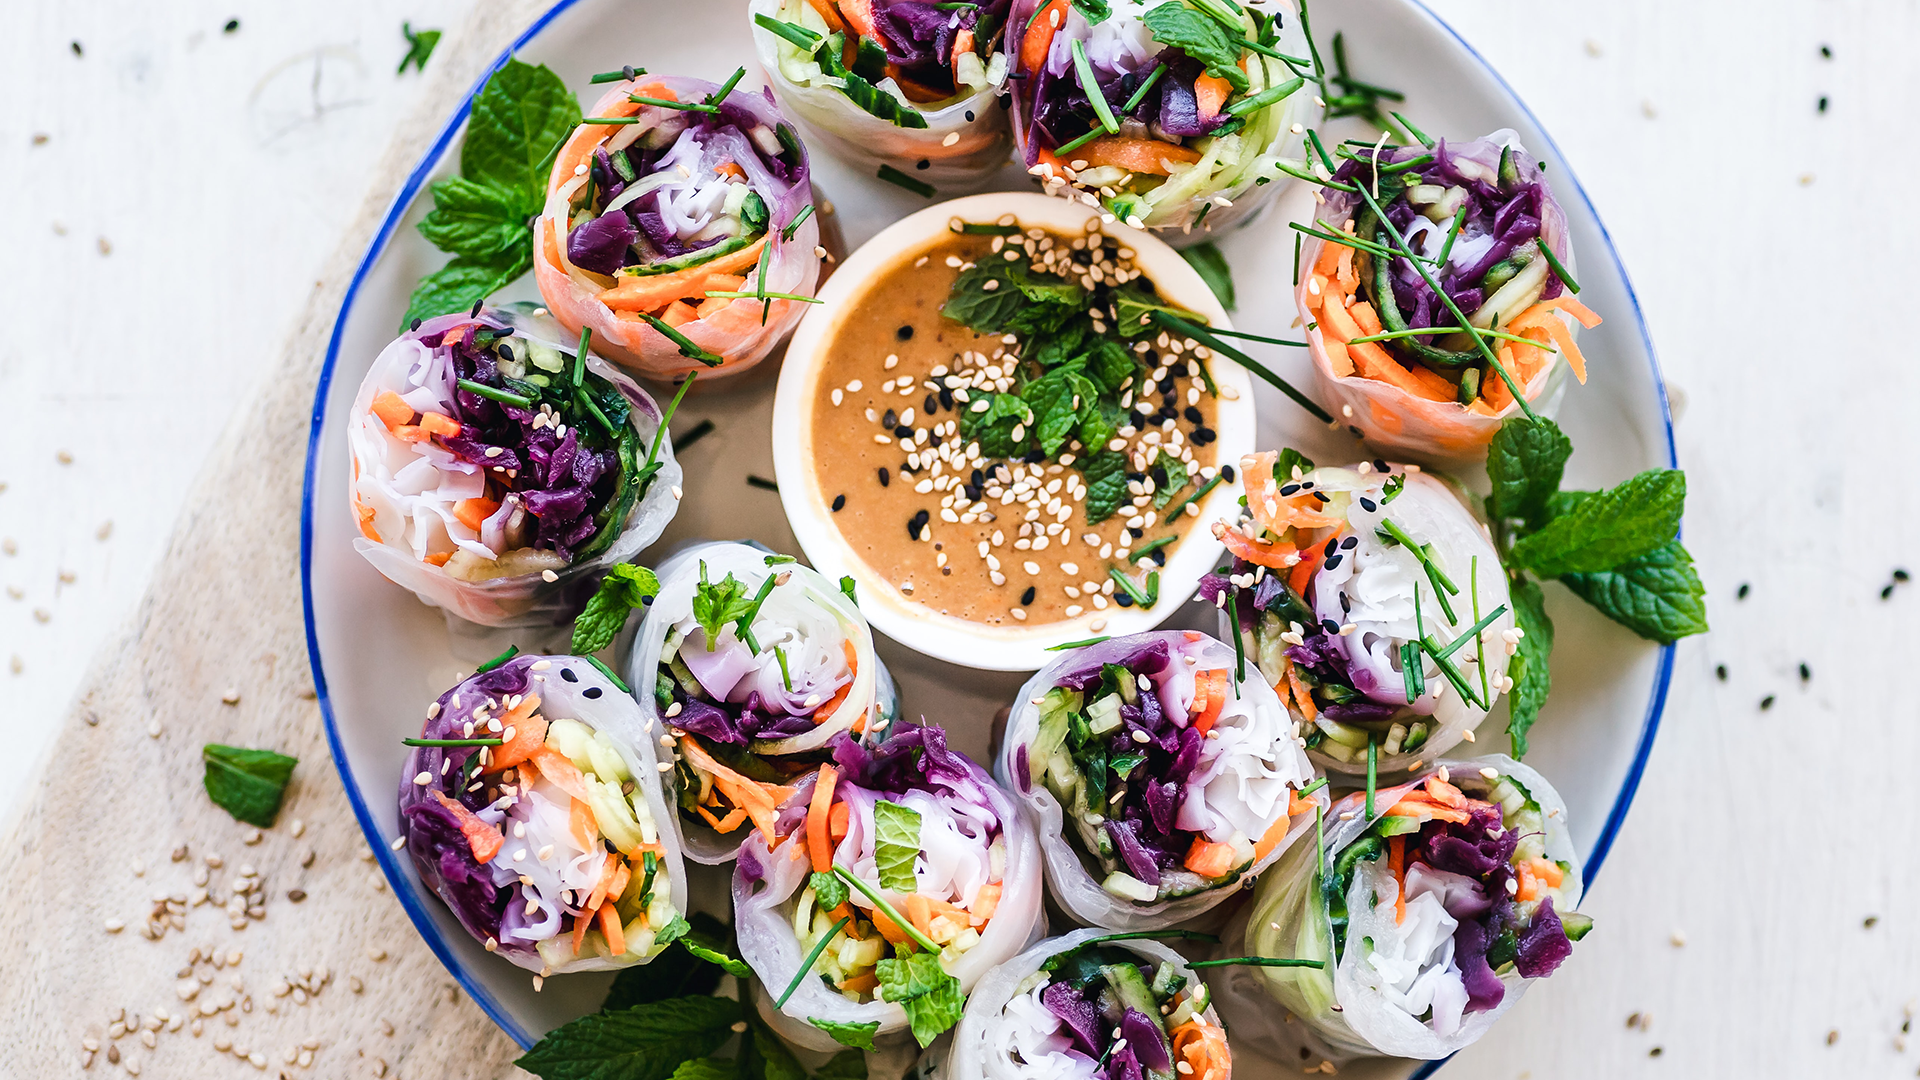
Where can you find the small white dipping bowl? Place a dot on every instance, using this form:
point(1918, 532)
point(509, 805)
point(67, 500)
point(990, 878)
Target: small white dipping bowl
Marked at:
point(959, 641)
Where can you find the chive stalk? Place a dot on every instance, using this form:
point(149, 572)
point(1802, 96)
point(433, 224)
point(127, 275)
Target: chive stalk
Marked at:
point(504, 397)
point(887, 909)
point(450, 742)
point(807, 964)
point(1084, 68)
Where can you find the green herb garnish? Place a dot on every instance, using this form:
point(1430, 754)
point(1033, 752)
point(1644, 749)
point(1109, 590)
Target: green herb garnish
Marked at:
point(625, 587)
point(249, 784)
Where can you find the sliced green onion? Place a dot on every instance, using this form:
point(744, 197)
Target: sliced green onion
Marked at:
point(663, 103)
point(512, 651)
point(618, 76)
point(1199, 493)
point(1559, 271)
point(504, 397)
point(610, 121)
point(887, 909)
point(899, 179)
point(805, 212)
point(450, 742)
point(1473, 631)
point(1257, 961)
point(807, 965)
point(1075, 144)
point(1182, 326)
point(687, 348)
point(580, 354)
point(1412, 130)
point(737, 295)
point(1091, 85)
point(1264, 98)
point(799, 36)
point(1256, 337)
point(726, 88)
point(608, 672)
point(1081, 644)
point(1140, 94)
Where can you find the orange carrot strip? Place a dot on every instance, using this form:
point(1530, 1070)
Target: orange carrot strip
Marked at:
point(559, 771)
point(722, 824)
point(1211, 91)
point(529, 735)
point(580, 821)
point(862, 982)
point(859, 16)
point(444, 426)
point(1208, 858)
point(1302, 694)
point(392, 410)
point(581, 924)
point(1272, 556)
point(646, 293)
point(1039, 35)
point(837, 822)
point(1204, 1046)
point(1209, 697)
point(482, 838)
point(608, 869)
point(818, 811)
point(1562, 337)
point(616, 934)
point(1548, 871)
point(985, 903)
point(760, 801)
point(474, 512)
point(1135, 155)
point(1565, 302)
point(1397, 862)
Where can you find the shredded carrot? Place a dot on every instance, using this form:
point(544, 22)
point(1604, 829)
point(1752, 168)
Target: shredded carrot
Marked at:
point(608, 869)
point(636, 293)
point(828, 15)
point(1397, 862)
point(1562, 337)
point(1204, 1046)
point(1310, 559)
point(474, 512)
point(722, 824)
point(859, 15)
point(728, 168)
point(1272, 556)
point(529, 734)
point(482, 838)
point(559, 771)
point(580, 820)
point(919, 912)
point(837, 822)
point(1418, 807)
point(678, 313)
point(889, 929)
point(1275, 833)
point(1209, 697)
point(622, 877)
point(1529, 885)
point(1565, 302)
point(862, 982)
point(438, 558)
point(818, 811)
point(392, 410)
point(985, 902)
point(1039, 36)
point(1346, 275)
point(444, 426)
point(711, 306)
point(1211, 92)
point(1548, 871)
point(1135, 155)
point(411, 433)
point(963, 43)
point(610, 926)
point(1302, 694)
point(581, 924)
point(1445, 794)
point(759, 800)
point(1208, 858)
point(366, 514)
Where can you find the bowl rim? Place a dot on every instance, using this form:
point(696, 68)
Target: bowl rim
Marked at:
point(413, 903)
point(1016, 647)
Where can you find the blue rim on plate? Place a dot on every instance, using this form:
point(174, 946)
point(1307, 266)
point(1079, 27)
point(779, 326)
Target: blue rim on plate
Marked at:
point(389, 859)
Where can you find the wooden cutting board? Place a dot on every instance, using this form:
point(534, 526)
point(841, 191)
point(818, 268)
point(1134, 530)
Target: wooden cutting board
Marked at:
point(150, 933)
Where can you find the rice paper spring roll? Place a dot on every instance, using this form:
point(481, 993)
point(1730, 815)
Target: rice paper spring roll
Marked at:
point(655, 217)
point(495, 476)
point(1372, 601)
point(1134, 113)
point(903, 83)
point(751, 664)
point(1158, 780)
point(1434, 913)
point(1071, 1007)
point(1509, 262)
point(919, 827)
point(555, 847)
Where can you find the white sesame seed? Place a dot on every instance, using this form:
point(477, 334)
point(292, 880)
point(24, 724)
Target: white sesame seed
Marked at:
point(423, 778)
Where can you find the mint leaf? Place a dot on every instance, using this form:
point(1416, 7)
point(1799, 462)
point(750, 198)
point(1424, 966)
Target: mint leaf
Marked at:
point(896, 844)
point(1657, 595)
point(1176, 472)
point(732, 965)
point(1289, 460)
point(248, 784)
point(776, 1062)
point(1134, 307)
point(675, 929)
point(463, 282)
point(1019, 301)
point(1106, 474)
point(920, 985)
point(646, 1042)
point(846, 586)
point(1109, 364)
point(1607, 528)
point(1531, 673)
point(1207, 260)
point(859, 1036)
point(519, 117)
point(707, 1069)
point(474, 219)
point(1525, 461)
point(625, 587)
point(419, 47)
point(717, 603)
point(674, 973)
point(1199, 37)
point(828, 890)
point(847, 1064)
point(1094, 11)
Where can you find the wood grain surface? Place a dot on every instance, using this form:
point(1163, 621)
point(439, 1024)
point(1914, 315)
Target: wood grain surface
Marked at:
point(221, 169)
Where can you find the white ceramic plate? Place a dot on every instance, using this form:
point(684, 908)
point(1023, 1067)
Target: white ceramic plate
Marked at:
point(379, 657)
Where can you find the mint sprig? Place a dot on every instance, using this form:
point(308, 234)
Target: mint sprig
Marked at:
point(248, 784)
point(625, 587)
point(1617, 549)
point(483, 217)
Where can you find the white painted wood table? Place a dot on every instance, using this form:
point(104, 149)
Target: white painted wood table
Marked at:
point(192, 179)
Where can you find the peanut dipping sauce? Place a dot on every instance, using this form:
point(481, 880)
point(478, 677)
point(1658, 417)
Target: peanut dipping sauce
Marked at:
point(989, 540)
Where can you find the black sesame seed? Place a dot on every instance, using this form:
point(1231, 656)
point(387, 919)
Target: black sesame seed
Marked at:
point(1170, 397)
point(1123, 600)
point(969, 116)
point(567, 674)
point(923, 164)
point(1720, 672)
point(1354, 429)
point(591, 692)
point(506, 354)
point(1902, 576)
point(1026, 597)
point(905, 333)
point(920, 517)
point(1203, 435)
point(1346, 603)
point(415, 326)
point(1381, 466)
point(1805, 672)
point(1330, 626)
point(1194, 414)
point(1006, 102)
point(946, 398)
point(77, 50)
point(1322, 496)
point(1826, 52)
point(1744, 590)
point(1368, 504)
point(903, 432)
point(885, 477)
point(1227, 471)
point(1333, 560)
point(1137, 533)
point(972, 492)
point(475, 313)
point(1136, 477)
point(232, 25)
point(1349, 543)
point(1306, 485)
point(1138, 419)
point(1034, 457)
point(1823, 103)
point(889, 419)
point(1159, 556)
point(1886, 593)
point(1288, 489)
point(977, 478)
point(1333, 545)
point(1766, 702)
point(937, 439)
point(839, 503)
point(931, 405)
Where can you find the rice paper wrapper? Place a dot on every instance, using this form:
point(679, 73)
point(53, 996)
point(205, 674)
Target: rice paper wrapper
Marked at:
point(1288, 918)
point(983, 1040)
point(741, 332)
point(977, 125)
point(1432, 512)
point(405, 524)
point(874, 694)
point(1238, 175)
point(1075, 878)
point(766, 883)
point(1442, 434)
point(489, 899)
